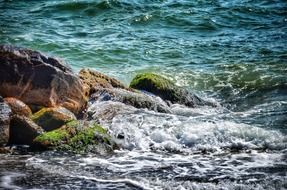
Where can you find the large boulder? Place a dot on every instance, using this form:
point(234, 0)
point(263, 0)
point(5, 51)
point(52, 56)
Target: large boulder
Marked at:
point(77, 136)
point(37, 79)
point(52, 118)
point(135, 99)
point(167, 90)
point(93, 80)
point(5, 114)
point(18, 107)
point(23, 130)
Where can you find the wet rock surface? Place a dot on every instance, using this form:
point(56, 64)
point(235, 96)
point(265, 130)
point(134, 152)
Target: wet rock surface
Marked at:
point(38, 79)
point(135, 99)
point(23, 130)
point(5, 114)
point(106, 111)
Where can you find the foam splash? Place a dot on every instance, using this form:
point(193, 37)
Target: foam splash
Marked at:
point(147, 130)
point(7, 180)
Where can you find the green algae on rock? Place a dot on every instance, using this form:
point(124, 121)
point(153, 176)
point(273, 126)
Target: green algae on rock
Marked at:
point(166, 89)
point(77, 136)
point(53, 118)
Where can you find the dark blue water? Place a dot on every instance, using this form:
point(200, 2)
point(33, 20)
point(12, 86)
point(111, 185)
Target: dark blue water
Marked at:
point(231, 52)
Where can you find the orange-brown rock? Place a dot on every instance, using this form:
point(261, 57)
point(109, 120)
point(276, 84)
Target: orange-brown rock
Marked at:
point(93, 80)
point(18, 107)
point(37, 79)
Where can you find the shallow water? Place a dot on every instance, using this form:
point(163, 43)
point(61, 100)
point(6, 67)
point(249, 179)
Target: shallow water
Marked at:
point(233, 53)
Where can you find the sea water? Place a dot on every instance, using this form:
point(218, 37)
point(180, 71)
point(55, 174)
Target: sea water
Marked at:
point(233, 53)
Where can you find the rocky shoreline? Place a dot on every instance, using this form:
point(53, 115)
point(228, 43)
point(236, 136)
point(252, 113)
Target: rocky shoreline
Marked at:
point(45, 105)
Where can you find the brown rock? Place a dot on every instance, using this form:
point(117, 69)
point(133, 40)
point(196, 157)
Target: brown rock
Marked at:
point(53, 118)
point(38, 79)
point(5, 113)
point(5, 150)
point(18, 107)
point(94, 80)
point(23, 130)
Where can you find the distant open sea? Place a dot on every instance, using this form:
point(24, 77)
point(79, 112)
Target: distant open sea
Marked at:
point(232, 52)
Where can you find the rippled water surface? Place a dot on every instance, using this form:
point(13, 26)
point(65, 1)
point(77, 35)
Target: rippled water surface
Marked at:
point(232, 52)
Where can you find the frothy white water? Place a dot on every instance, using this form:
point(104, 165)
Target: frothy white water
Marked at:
point(201, 148)
point(7, 180)
point(186, 130)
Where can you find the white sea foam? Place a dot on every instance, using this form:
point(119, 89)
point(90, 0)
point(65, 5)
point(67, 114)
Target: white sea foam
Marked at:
point(146, 129)
point(7, 180)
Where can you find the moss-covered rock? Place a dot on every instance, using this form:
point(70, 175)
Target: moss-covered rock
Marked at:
point(52, 118)
point(77, 136)
point(52, 138)
point(151, 83)
point(166, 89)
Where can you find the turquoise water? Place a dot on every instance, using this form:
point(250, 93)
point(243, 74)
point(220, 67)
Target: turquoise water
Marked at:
point(232, 52)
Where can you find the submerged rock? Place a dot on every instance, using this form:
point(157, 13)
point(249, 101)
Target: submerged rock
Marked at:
point(53, 118)
point(18, 107)
point(37, 79)
point(166, 89)
point(93, 80)
point(76, 136)
point(5, 114)
point(23, 130)
point(135, 99)
point(106, 111)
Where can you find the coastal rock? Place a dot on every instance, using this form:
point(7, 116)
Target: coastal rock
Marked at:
point(105, 88)
point(77, 136)
point(5, 150)
point(23, 130)
point(135, 99)
point(167, 90)
point(93, 80)
point(52, 118)
point(18, 107)
point(37, 79)
point(106, 111)
point(5, 114)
